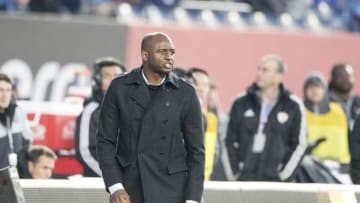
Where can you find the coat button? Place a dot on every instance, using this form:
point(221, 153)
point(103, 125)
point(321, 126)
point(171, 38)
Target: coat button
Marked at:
point(161, 153)
point(163, 137)
point(165, 121)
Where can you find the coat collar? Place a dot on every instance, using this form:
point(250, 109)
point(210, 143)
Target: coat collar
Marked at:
point(253, 91)
point(135, 77)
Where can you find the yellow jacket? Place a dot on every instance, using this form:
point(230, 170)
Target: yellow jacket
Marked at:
point(210, 143)
point(333, 127)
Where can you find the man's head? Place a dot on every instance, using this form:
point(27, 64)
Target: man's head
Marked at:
point(315, 88)
point(202, 83)
point(157, 53)
point(342, 78)
point(270, 71)
point(5, 91)
point(105, 69)
point(41, 162)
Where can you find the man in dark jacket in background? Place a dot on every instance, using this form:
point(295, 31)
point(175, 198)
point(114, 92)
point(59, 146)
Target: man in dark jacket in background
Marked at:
point(266, 136)
point(341, 91)
point(104, 70)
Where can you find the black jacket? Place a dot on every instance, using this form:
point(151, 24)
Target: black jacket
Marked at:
point(355, 153)
point(285, 137)
point(85, 136)
point(21, 135)
point(154, 147)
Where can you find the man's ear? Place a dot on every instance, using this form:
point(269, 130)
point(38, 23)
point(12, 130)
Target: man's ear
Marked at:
point(144, 55)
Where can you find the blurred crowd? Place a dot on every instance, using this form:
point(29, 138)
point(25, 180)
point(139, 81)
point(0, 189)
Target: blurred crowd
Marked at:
point(331, 14)
point(269, 133)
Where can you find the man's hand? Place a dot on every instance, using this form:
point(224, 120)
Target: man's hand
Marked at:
point(120, 196)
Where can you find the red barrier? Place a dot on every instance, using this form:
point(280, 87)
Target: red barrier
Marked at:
point(53, 125)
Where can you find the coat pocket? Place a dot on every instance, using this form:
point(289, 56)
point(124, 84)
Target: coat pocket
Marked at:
point(177, 165)
point(122, 161)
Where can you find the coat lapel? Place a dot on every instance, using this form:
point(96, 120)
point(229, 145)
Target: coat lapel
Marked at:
point(139, 93)
point(162, 102)
point(141, 96)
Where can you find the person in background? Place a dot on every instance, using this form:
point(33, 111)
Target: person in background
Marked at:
point(40, 162)
point(54, 6)
point(180, 72)
point(15, 134)
point(104, 70)
point(14, 6)
point(325, 120)
point(340, 90)
point(214, 106)
point(266, 137)
point(201, 82)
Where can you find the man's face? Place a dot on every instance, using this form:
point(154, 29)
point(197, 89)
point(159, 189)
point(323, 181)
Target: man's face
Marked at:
point(5, 94)
point(161, 55)
point(42, 169)
point(107, 74)
point(344, 79)
point(202, 85)
point(315, 94)
point(268, 74)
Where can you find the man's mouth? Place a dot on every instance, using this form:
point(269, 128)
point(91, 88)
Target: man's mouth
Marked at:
point(169, 65)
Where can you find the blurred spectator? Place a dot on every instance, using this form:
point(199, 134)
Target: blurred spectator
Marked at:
point(180, 72)
point(202, 86)
point(266, 135)
point(165, 4)
point(104, 70)
point(102, 7)
point(45, 6)
point(71, 6)
point(3, 5)
point(270, 7)
point(355, 153)
point(214, 106)
point(354, 15)
point(15, 135)
point(12, 6)
point(40, 162)
point(109, 7)
point(55, 6)
point(325, 120)
point(340, 87)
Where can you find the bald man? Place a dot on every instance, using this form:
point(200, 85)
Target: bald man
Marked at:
point(150, 136)
point(266, 135)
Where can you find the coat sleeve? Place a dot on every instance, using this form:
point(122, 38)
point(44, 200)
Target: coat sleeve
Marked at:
point(297, 142)
point(107, 137)
point(86, 136)
point(231, 140)
point(194, 143)
point(355, 153)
